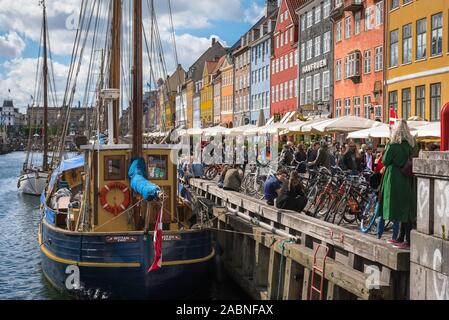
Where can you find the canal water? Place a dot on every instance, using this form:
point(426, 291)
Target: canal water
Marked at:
point(21, 277)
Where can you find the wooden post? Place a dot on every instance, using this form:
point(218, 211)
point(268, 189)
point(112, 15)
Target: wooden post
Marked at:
point(306, 284)
point(261, 265)
point(248, 257)
point(114, 80)
point(291, 284)
point(273, 275)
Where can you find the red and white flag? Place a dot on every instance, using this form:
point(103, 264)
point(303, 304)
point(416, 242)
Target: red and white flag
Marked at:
point(157, 243)
point(393, 116)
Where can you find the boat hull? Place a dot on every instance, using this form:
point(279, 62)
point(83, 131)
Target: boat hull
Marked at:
point(115, 265)
point(33, 183)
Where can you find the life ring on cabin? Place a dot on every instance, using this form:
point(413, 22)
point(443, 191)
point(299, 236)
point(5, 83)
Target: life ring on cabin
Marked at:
point(115, 209)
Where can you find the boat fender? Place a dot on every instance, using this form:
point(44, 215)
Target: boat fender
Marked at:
point(115, 209)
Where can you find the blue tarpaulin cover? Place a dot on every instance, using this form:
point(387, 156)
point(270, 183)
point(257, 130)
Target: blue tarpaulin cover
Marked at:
point(69, 164)
point(139, 181)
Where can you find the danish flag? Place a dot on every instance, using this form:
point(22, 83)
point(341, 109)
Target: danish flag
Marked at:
point(393, 116)
point(157, 243)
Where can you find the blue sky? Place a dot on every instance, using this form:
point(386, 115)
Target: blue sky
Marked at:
point(196, 22)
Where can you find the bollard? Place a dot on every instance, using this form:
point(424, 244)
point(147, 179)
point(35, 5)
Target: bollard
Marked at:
point(445, 128)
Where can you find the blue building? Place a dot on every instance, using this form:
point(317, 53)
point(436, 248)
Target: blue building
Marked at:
point(261, 51)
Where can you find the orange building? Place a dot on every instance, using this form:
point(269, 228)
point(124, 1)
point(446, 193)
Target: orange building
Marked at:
point(227, 92)
point(358, 58)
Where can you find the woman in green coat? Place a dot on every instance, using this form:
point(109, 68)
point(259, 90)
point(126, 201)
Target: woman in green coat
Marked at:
point(398, 197)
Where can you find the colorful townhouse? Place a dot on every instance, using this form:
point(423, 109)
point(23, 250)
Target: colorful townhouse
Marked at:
point(359, 58)
point(316, 58)
point(168, 90)
point(207, 94)
point(194, 82)
point(261, 51)
point(241, 56)
point(181, 106)
point(284, 64)
point(217, 83)
point(227, 92)
point(417, 71)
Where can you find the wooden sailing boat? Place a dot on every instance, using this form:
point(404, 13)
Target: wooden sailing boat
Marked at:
point(101, 232)
point(33, 180)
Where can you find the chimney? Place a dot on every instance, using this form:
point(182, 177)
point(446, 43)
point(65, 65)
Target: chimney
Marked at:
point(214, 41)
point(271, 6)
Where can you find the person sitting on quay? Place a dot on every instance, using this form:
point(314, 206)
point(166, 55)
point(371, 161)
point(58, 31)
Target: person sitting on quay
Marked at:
point(301, 158)
point(233, 179)
point(273, 185)
point(287, 156)
point(292, 196)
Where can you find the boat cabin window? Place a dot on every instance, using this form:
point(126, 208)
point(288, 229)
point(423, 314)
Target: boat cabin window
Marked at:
point(114, 168)
point(157, 167)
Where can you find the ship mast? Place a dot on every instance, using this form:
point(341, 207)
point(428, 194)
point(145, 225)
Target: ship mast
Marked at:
point(45, 75)
point(114, 79)
point(137, 93)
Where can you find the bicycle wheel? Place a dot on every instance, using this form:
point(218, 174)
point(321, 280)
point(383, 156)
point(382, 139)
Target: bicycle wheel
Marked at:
point(211, 173)
point(350, 216)
point(340, 211)
point(322, 203)
point(369, 215)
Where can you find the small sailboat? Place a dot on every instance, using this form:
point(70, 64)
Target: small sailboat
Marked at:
point(104, 211)
point(33, 179)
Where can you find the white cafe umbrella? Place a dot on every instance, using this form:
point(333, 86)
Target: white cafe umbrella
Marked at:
point(432, 130)
point(345, 124)
point(239, 130)
point(213, 131)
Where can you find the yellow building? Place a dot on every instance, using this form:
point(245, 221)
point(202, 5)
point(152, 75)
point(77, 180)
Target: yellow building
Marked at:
point(190, 86)
point(207, 94)
point(417, 57)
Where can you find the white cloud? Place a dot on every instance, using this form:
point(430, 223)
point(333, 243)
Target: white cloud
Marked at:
point(11, 45)
point(253, 13)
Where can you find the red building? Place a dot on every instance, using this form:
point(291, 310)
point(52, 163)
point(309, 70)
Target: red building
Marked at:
point(358, 58)
point(284, 61)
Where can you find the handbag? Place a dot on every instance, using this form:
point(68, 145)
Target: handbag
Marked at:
point(407, 168)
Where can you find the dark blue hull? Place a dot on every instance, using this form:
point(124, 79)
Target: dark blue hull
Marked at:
point(115, 265)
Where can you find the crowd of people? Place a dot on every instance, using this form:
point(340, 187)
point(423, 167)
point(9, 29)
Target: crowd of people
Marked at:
point(390, 164)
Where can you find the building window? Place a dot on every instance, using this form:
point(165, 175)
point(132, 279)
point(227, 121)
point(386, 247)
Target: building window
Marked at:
point(277, 93)
point(273, 94)
point(437, 34)
point(277, 41)
point(296, 57)
point(406, 2)
point(291, 34)
point(326, 86)
point(301, 92)
point(378, 111)
point(326, 8)
point(327, 42)
point(338, 108)
point(393, 100)
point(317, 46)
point(303, 52)
point(291, 59)
point(309, 49)
point(303, 22)
point(368, 18)
point(282, 39)
point(308, 90)
point(338, 3)
point(281, 92)
point(316, 87)
point(357, 106)
point(435, 101)
point(286, 37)
point(407, 43)
point(291, 89)
point(379, 13)
point(406, 103)
point(281, 67)
point(420, 103)
point(317, 14)
point(367, 62)
point(338, 70)
point(394, 48)
point(273, 67)
point(394, 4)
point(378, 59)
point(277, 65)
point(296, 88)
point(352, 65)
point(309, 19)
point(285, 90)
point(357, 17)
point(338, 31)
point(348, 27)
point(366, 106)
point(286, 15)
point(421, 35)
point(347, 106)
